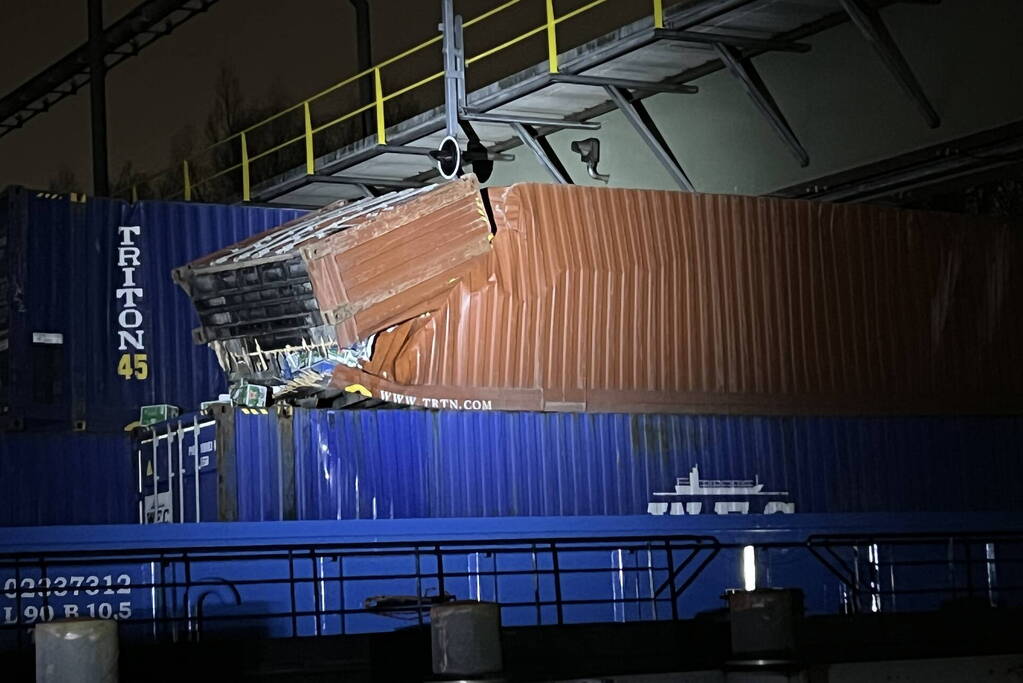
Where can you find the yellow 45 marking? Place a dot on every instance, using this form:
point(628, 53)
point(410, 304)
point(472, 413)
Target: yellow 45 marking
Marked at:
point(133, 366)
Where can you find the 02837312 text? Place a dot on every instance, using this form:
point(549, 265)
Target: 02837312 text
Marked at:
point(29, 599)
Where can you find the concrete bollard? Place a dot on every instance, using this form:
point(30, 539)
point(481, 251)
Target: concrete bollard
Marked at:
point(763, 621)
point(466, 638)
point(76, 651)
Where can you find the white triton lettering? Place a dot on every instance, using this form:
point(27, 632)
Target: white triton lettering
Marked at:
point(129, 295)
point(129, 318)
point(132, 338)
point(127, 231)
point(128, 256)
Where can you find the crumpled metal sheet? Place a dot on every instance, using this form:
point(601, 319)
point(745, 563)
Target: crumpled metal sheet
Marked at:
point(255, 299)
point(595, 299)
point(403, 262)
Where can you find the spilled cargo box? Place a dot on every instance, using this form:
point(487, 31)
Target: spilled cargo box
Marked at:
point(91, 324)
point(396, 464)
point(595, 299)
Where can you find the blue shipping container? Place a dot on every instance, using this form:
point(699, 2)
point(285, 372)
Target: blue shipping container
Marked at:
point(34, 365)
point(414, 463)
point(96, 327)
point(133, 326)
point(50, 478)
point(243, 458)
point(245, 582)
point(394, 464)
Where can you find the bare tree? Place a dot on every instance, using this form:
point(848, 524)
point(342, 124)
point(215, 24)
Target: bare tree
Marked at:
point(229, 111)
point(183, 146)
point(217, 149)
point(64, 181)
point(230, 114)
point(131, 183)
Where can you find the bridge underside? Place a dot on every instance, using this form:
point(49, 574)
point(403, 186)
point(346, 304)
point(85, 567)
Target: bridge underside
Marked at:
point(616, 71)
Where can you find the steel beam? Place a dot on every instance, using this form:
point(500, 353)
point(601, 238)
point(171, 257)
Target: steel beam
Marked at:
point(97, 100)
point(868, 20)
point(367, 191)
point(646, 86)
point(638, 117)
point(359, 180)
point(747, 74)
point(364, 50)
point(958, 162)
point(405, 149)
point(512, 119)
point(712, 39)
point(67, 75)
point(281, 205)
point(543, 151)
point(454, 66)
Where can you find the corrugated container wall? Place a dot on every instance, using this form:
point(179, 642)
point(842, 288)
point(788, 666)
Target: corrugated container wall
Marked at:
point(584, 299)
point(366, 464)
point(48, 479)
point(98, 273)
point(244, 461)
point(117, 367)
point(34, 364)
point(611, 300)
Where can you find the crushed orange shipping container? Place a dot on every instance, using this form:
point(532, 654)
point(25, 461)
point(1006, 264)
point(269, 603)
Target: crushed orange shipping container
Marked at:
point(547, 297)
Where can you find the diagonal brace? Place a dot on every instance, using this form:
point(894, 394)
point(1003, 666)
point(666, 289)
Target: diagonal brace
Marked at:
point(543, 151)
point(638, 117)
point(742, 68)
point(873, 28)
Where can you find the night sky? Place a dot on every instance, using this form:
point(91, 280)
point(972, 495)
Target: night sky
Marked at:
point(296, 47)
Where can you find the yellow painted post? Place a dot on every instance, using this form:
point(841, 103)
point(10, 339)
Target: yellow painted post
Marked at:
point(552, 38)
point(381, 123)
point(245, 169)
point(310, 166)
point(134, 193)
point(187, 183)
point(658, 13)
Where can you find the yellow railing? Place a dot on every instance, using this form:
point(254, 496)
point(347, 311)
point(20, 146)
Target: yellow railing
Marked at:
point(380, 98)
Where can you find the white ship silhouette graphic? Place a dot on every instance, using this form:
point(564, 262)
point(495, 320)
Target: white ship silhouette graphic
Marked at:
point(724, 496)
